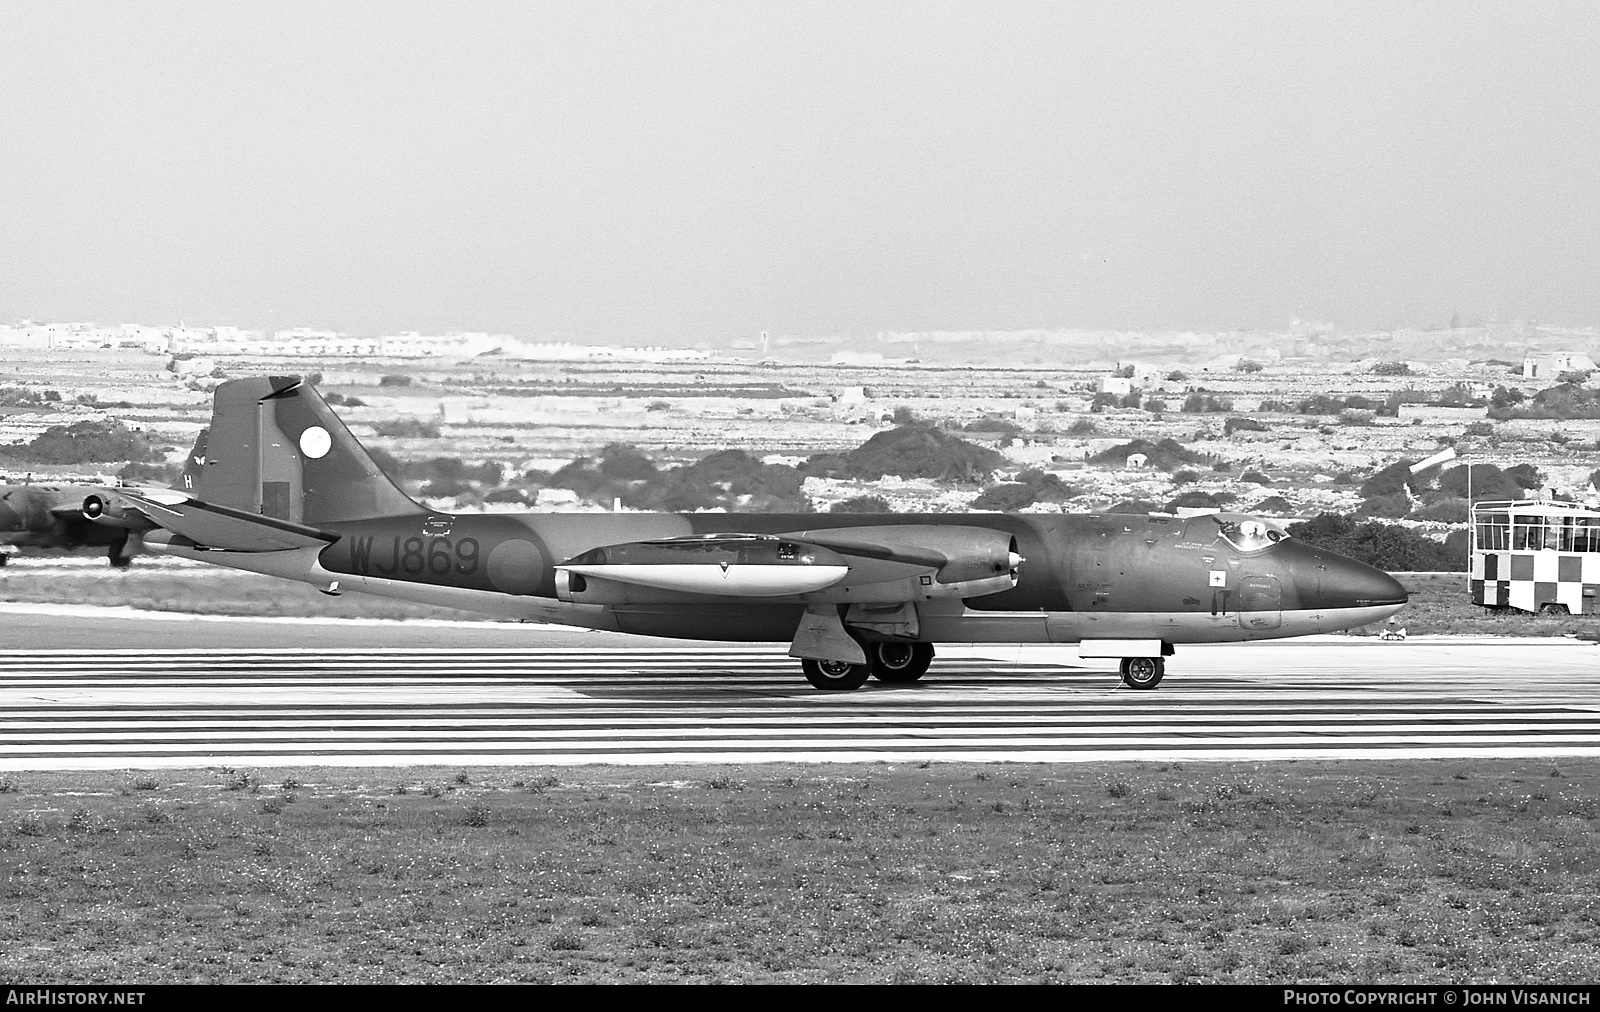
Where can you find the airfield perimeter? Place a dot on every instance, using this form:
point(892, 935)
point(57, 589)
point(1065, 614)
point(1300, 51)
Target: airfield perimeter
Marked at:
point(99, 688)
point(518, 803)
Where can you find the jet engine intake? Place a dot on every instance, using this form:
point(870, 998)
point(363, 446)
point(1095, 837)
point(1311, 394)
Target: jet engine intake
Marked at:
point(111, 513)
point(987, 559)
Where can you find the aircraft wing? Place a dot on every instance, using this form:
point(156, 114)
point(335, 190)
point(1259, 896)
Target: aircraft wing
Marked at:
point(201, 524)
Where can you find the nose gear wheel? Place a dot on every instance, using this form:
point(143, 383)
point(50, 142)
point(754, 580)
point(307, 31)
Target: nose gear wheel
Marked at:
point(1143, 672)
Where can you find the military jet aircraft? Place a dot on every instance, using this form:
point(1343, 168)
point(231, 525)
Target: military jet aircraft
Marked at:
point(51, 516)
point(286, 490)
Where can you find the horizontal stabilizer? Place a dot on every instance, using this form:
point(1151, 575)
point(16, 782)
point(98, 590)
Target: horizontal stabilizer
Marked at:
point(214, 527)
point(73, 507)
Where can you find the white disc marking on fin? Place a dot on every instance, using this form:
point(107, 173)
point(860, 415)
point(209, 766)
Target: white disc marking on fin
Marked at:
point(315, 442)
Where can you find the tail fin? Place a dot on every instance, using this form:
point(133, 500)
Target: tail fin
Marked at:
point(193, 464)
point(277, 449)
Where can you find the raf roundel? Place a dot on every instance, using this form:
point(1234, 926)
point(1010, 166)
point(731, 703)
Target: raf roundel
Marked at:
point(315, 442)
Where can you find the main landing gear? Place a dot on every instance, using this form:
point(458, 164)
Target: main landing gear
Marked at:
point(1143, 672)
point(892, 662)
point(899, 662)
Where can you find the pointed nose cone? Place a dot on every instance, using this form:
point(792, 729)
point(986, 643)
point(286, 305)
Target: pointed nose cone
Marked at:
point(1357, 585)
point(1327, 581)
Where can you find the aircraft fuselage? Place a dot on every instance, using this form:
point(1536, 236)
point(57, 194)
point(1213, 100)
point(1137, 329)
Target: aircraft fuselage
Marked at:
point(1085, 576)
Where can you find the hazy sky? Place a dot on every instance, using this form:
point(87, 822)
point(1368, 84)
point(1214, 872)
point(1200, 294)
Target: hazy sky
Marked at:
point(700, 171)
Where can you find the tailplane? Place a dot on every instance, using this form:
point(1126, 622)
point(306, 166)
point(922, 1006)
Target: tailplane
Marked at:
point(275, 448)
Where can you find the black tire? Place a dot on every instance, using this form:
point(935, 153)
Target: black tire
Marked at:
point(898, 662)
point(117, 553)
point(835, 675)
point(1554, 610)
point(1143, 672)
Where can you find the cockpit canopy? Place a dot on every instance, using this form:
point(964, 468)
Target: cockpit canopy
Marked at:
point(1248, 533)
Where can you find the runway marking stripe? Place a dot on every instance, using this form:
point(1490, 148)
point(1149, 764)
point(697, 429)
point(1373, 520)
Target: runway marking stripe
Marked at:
point(555, 714)
point(654, 705)
point(734, 745)
point(12, 730)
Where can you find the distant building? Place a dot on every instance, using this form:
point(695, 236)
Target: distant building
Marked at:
point(1551, 366)
point(1144, 378)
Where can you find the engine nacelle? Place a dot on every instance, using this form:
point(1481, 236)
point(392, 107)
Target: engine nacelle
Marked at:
point(111, 512)
point(950, 561)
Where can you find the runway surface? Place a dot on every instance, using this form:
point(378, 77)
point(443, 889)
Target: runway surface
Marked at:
point(346, 694)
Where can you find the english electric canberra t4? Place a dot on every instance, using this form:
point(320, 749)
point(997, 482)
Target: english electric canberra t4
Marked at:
point(286, 490)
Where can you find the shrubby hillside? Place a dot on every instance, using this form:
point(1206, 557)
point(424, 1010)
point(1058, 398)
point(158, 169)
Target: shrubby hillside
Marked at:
point(1565, 400)
point(1167, 455)
point(727, 479)
point(1436, 494)
point(1032, 486)
point(911, 451)
point(1386, 546)
point(94, 440)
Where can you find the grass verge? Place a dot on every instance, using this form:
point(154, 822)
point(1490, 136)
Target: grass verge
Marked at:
point(1464, 871)
point(1441, 603)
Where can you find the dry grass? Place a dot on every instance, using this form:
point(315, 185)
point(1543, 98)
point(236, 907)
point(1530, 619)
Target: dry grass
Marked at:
point(1442, 603)
point(1397, 871)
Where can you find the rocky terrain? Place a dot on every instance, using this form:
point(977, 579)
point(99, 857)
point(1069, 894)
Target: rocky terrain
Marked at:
point(1263, 444)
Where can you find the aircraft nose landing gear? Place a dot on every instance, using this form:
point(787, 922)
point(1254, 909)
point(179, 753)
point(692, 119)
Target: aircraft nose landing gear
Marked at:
point(1143, 672)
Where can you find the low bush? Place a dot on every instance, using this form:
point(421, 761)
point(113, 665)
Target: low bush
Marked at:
point(88, 441)
point(1168, 454)
point(406, 428)
point(910, 451)
point(862, 504)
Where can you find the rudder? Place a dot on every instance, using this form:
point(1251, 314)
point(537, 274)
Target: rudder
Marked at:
point(276, 448)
